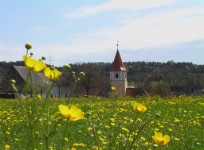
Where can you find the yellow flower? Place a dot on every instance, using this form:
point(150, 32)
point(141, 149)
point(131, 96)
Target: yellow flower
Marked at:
point(139, 107)
point(33, 64)
point(113, 88)
point(79, 145)
point(39, 66)
point(39, 96)
point(29, 62)
point(73, 114)
point(176, 120)
point(125, 129)
point(7, 147)
point(160, 139)
point(176, 139)
point(99, 132)
point(52, 73)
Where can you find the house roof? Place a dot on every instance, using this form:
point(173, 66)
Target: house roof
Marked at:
point(117, 64)
point(136, 91)
point(37, 77)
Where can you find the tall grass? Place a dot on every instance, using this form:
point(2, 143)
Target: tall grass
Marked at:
point(109, 124)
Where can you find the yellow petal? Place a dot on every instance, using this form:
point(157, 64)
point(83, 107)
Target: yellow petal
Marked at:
point(47, 72)
point(160, 139)
point(166, 139)
point(52, 74)
point(158, 134)
point(144, 108)
point(113, 88)
point(135, 104)
point(64, 110)
point(39, 66)
point(139, 107)
point(39, 96)
point(75, 114)
point(57, 74)
point(29, 62)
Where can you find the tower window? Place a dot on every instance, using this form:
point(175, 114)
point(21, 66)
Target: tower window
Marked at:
point(116, 75)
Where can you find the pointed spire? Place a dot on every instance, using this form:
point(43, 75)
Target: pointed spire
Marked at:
point(117, 64)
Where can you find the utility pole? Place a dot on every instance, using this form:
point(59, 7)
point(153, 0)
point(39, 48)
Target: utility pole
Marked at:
point(50, 59)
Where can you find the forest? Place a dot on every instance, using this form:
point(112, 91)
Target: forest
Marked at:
point(157, 78)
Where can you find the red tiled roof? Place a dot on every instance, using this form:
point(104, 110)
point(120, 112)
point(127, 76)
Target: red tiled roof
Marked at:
point(117, 64)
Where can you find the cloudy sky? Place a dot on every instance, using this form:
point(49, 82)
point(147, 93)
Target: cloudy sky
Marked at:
point(70, 31)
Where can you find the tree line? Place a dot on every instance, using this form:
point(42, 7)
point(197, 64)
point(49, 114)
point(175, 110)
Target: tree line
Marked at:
point(158, 78)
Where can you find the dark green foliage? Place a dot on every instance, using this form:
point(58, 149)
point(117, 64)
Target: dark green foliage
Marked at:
point(177, 75)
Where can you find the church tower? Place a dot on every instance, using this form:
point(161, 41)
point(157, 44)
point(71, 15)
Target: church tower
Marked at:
point(118, 74)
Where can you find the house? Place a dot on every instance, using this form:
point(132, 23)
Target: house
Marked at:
point(1, 79)
point(20, 74)
point(118, 79)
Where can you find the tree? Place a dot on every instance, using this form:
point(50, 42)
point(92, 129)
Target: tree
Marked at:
point(95, 79)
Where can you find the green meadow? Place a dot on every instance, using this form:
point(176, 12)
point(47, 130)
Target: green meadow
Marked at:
point(108, 124)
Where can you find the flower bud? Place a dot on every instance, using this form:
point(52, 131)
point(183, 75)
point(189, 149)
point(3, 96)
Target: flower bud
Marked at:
point(73, 74)
point(52, 68)
point(28, 46)
point(81, 74)
point(158, 115)
point(31, 54)
point(13, 82)
point(66, 68)
point(43, 58)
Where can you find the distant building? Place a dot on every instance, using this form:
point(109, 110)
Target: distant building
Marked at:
point(118, 79)
point(20, 73)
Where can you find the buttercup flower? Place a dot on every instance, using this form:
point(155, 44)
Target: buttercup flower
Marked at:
point(33, 64)
point(73, 114)
point(160, 139)
point(7, 147)
point(39, 66)
point(113, 88)
point(39, 96)
point(29, 62)
point(79, 145)
point(139, 107)
point(52, 73)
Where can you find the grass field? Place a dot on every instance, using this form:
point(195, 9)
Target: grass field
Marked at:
point(108, 124)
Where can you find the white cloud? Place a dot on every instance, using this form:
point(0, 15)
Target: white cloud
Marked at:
point(165, 29)
point(157, 29)
point(117, 4)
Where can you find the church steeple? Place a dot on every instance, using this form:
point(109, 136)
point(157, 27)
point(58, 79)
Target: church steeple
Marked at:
point(118, 63)
point(118, 74)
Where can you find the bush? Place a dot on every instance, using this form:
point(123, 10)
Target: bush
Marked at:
point(160, 88)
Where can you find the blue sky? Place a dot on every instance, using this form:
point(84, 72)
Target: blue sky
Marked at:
point(74, 31)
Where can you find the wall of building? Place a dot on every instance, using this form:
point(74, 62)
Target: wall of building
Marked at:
point(60, 91)
point(122, 75)
point(120, 86)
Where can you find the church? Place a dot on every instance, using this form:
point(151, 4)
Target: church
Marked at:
point(118, 79)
